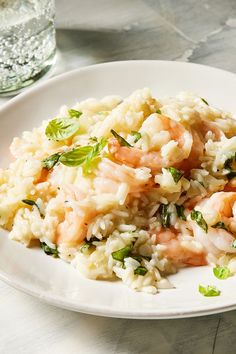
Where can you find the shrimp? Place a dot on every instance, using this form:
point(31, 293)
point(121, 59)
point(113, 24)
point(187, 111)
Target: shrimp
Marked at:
point(153, 159)
point(43, 176)
point(111, 175)
point(72, 230)
point(177, 251)
point(204, 127)
point(219, 207)
point(215, 241)
point(193, 160)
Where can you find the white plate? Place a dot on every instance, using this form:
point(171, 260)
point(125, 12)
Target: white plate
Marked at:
point(56, 282)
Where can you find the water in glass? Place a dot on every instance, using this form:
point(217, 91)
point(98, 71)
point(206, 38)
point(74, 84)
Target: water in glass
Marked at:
point(27, 42)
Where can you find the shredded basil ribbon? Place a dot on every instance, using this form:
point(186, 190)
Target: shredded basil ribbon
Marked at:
point(32, 203)
point(137, 135)
point(121, 140)
point(176, 174)
point(49, 250)
point(198, 217)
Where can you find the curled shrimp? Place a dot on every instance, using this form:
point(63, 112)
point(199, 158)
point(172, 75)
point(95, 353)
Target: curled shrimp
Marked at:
point(193, 160)
point(153, 159)
point(178, 251)
point(111, 175)
point(72, 230)
point(215, 241)
point(219, 207)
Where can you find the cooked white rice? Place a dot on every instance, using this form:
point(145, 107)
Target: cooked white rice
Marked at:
point(128, 198)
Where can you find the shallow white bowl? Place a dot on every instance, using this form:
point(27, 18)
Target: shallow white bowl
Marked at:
point(56, 282)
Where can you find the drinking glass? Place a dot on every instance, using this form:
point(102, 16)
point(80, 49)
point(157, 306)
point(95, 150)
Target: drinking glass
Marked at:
point(27, 42)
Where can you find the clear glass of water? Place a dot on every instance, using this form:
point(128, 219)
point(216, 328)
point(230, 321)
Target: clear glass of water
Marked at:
point(27, 42)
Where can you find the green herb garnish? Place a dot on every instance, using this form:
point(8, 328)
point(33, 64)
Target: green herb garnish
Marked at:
point(137, 135)
point(228, 162)
point(234, 244)
point(32, 203)
point(165, 215)
point(198, 217)
point(121, 254)
point(48, 250)
point(220, 225)
point(137, 258)
point(61, 128)
point(208, 290)
point(51, 161)
point(121, 140)
point(228, 166)
point(176, 174)
point(140, 270)
point(158, 111)
point(88, 243)
point(203, 100)
point(93, 154)
point(94, 139)
point(221, 272)
point(76, 156)
point(73, 113)
point(231, 175)
point(180, 212)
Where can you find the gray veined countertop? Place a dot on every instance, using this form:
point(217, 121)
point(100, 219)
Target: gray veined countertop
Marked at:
point(93, 31)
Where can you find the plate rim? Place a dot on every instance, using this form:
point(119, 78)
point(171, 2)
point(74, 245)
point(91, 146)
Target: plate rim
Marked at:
point(39, 85)
point(102, 310)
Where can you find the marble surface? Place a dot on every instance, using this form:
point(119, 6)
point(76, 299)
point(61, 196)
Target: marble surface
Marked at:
point(88, 32)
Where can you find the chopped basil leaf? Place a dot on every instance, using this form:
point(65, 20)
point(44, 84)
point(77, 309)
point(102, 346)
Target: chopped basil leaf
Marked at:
point(234, 244)
point(158, 111)
point(121, 140)
point(228, 166)
point(137, 258)
point(198, 217)
point(29, 202)
point(180, 212)
point(85, 247)
point(208, 290)
point(203, 100)
point(32, 203)
point(228, 163)
point(220, 225)
point(94, 139)
point(48, 250)
point(83, 154)
point(176, 174)
point(73, 113)
point(137, 135)
point(121, 254)
point(140, 270)
point(51, 161)
point(61, 128)
point(231, 174)
point(165, 215)
point(88, 243)
point(76, 156)
point(94, 153)
point(221, 272)
point(147, 258)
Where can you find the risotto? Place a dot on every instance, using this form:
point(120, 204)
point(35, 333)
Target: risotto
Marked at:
point(134, 189)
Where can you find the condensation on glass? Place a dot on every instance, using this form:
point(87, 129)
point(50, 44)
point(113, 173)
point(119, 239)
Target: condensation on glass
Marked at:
point(27, 42)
